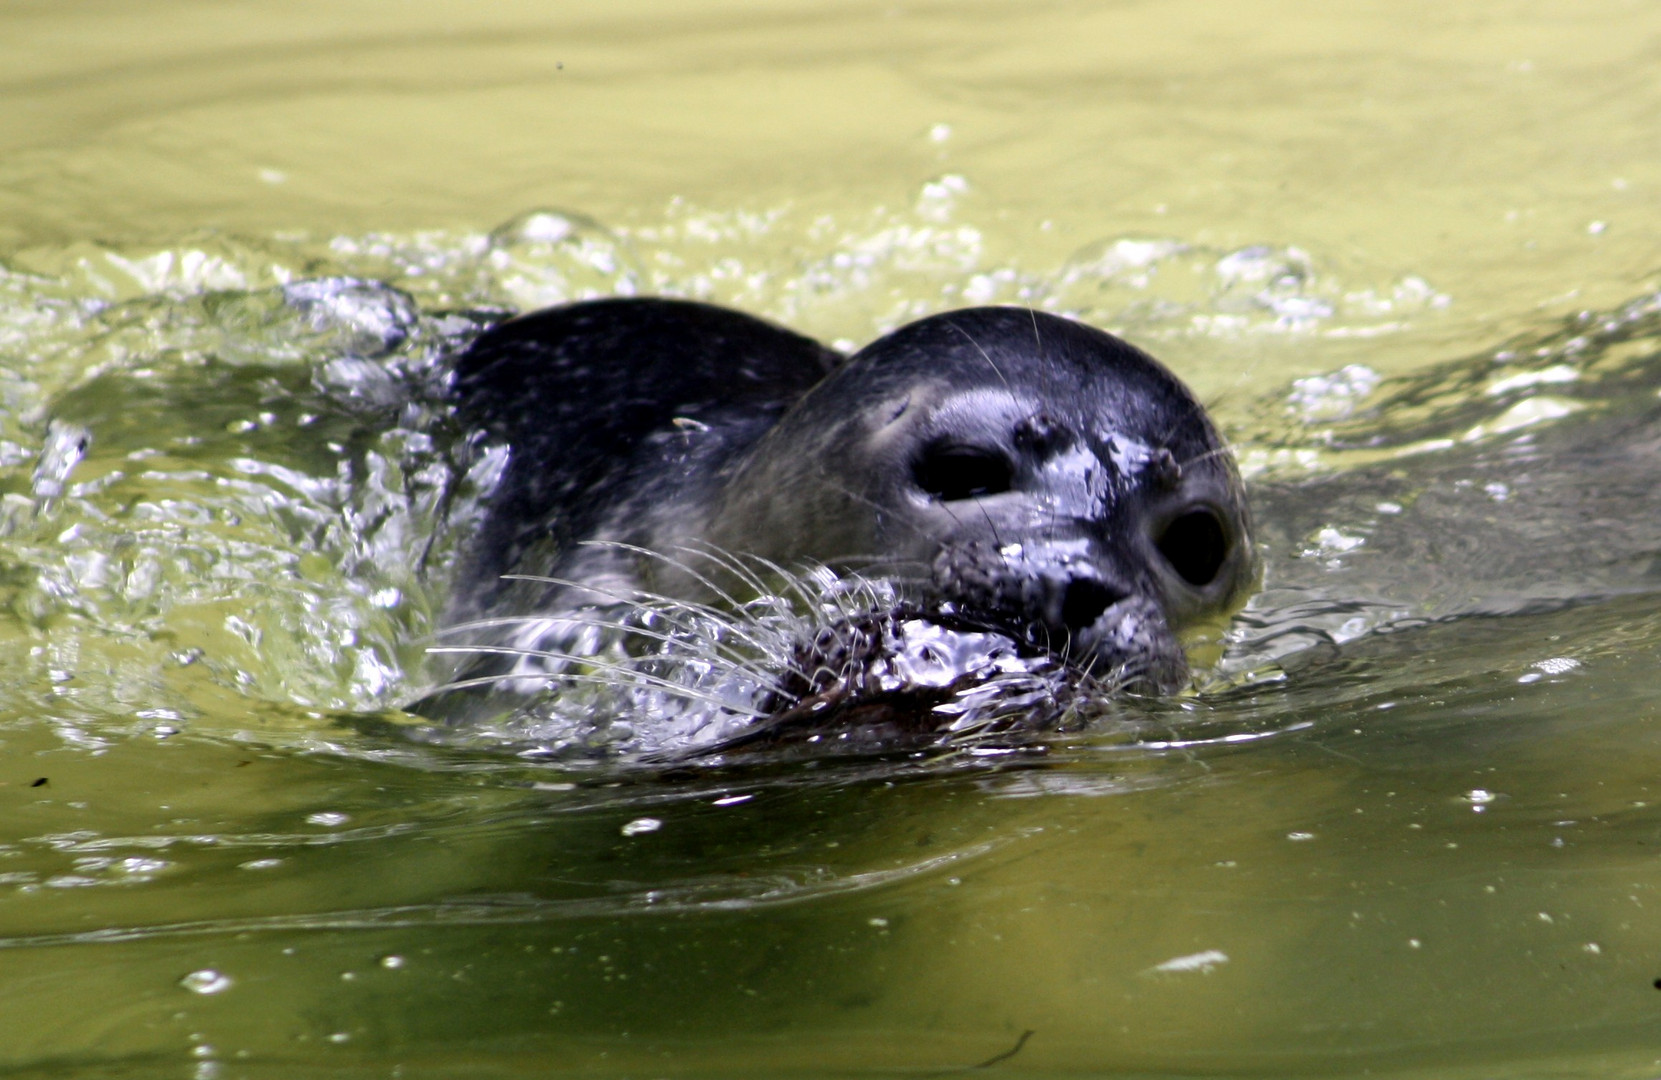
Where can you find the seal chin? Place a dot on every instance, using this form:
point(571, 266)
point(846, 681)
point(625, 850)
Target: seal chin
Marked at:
point(1055, 597)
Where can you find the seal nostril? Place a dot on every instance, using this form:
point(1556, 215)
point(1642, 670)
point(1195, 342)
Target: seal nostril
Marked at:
point(1084, 602)
point(1195, 546)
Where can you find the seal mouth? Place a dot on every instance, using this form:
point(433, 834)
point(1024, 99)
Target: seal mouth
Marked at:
point(1083, 603)
point(1133, 640)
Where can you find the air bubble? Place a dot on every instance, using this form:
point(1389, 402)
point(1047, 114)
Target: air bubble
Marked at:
point(206, 981)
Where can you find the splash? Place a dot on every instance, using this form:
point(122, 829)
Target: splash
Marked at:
point(230, 472)
point(816, 660)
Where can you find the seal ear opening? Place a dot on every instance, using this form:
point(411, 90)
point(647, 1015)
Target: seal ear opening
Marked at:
point(952, 471)
point(1196, 546)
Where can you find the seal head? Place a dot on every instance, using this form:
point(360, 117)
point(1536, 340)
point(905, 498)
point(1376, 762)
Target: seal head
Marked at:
point(1017, 470)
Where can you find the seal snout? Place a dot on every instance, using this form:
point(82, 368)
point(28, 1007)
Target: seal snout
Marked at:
point(1036, 588)
point(1052, 595)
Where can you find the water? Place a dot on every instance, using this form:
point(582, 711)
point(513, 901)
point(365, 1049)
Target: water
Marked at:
point(1408, 827)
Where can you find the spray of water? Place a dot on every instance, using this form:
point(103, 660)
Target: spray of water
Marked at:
point(781, 659)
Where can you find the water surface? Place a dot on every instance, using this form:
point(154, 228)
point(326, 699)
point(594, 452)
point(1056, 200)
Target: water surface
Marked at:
point(1407, 827)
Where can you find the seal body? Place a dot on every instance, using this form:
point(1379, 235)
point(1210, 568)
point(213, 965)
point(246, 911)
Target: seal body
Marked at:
point(622, 420)
point(1009, 471)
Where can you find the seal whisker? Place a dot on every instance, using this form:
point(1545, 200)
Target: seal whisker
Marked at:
point(642, 599)
point(793, 582)
point(1208, 455)
point(575, 618)
point(774, 651)
point(526, 652)
point(836, 590)
point(494, 623)
point(978, 348)
point(872, 569)
point(637, 549)
point(728, 561)
point(739, 660)
point(633, 674)
point(991, 525)
point(668, 603)
point(867, 501)
point(854, 597)
point(672, 688)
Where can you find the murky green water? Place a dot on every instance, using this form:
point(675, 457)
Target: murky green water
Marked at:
point(1413, 829)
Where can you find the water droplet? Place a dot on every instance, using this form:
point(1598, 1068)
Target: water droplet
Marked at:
point(1202, 962)
point(206, 981)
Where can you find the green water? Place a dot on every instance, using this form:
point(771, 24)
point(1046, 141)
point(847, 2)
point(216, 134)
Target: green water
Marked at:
point(229, 499)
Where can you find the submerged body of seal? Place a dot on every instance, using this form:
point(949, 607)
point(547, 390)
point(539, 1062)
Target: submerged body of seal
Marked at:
point(1006, 472)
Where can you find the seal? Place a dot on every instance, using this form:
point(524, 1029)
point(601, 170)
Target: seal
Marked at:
point(1007, 471)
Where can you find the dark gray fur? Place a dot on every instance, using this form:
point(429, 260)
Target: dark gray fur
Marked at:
point(610, 410)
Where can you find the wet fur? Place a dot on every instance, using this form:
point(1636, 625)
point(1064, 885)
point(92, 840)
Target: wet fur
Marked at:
point(637, 429)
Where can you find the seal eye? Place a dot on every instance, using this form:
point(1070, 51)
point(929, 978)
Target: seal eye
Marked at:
point(948, 471)
point(1195, 546)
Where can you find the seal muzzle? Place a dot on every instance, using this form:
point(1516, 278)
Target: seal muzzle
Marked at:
point(1053, 597)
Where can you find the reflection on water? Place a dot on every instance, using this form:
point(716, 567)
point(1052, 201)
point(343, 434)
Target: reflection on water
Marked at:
point(1407, 825)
